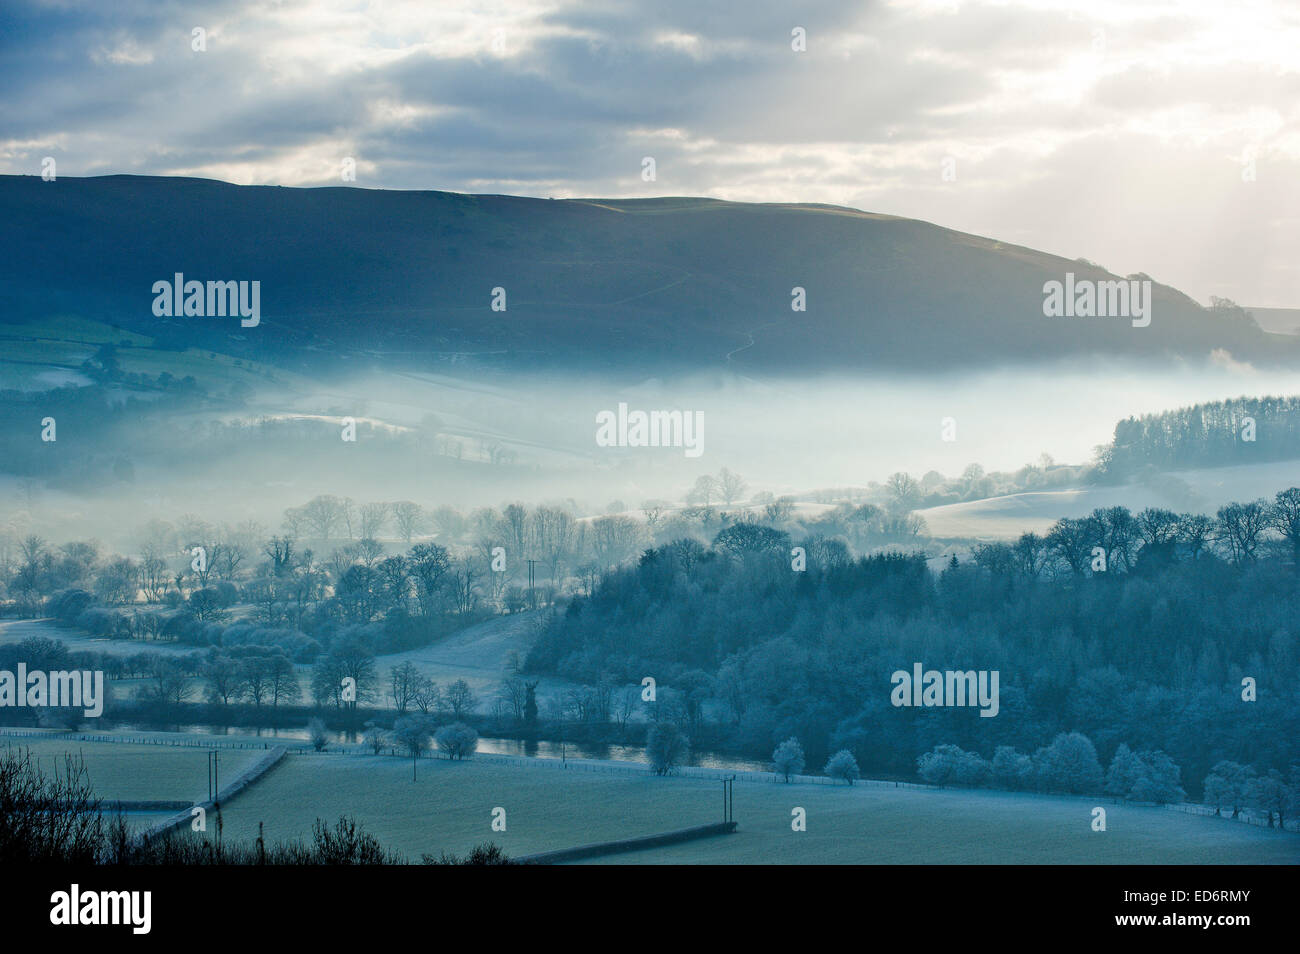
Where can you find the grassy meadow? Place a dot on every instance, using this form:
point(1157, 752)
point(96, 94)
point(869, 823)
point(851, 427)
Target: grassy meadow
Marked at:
point(449, 808)
point(120, 771)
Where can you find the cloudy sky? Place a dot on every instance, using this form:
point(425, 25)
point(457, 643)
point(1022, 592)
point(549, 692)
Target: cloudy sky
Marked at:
point(1153, 135)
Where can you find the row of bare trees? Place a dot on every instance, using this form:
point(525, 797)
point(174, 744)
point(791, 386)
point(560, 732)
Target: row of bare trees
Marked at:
point(1113, 539)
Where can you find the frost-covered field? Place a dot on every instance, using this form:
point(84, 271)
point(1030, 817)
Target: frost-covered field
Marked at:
point(121, 771)
point(450, 808)
point(479, 654)
point(16, 630)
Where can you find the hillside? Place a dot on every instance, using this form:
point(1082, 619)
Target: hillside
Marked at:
point(356, 278)
point(1205, 490)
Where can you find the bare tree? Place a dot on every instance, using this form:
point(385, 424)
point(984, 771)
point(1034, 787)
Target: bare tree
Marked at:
point(449, 523)
point(1238, 528)
point(429, 564)
point(731, 486)
point(516, 528)
point(373, 518)
point(779, 510)
point(654, 512)
point(460, 699)
point(230, 554)
point(904, 490)
point(704, 491)
point(1030, 552)
point(256, 676)
point(426, 696)
point(1119, 535)
point(279, 550)
point(1195, 530)
point(348, 516)
point(323, 515)
point(1284, 517)
point(615, 538)
point(154, 574)
point(553, 532)
point(513, 692)
point(1071, 541)
point(463, 584)
point(31, 548)
point(403, 681)
point(408, 517)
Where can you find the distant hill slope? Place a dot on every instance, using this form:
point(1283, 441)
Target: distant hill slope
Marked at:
point(669, 284)
point(1198, 491)
point(1282, 321)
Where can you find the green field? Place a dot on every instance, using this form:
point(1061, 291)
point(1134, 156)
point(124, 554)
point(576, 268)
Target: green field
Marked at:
point(58, 342)
point(121, 771)
point(450, 808)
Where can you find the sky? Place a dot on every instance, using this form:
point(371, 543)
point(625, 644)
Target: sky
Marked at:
point(1160, 136)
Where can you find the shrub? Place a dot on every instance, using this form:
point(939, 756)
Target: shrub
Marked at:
point(70, 604)
point(375, 737)
point(486, 854)
point(318, 734)
point(666, 747)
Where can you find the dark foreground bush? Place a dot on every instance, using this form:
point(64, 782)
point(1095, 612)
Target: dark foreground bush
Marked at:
point(48, 818)
point(486, 854)
point(346, 843)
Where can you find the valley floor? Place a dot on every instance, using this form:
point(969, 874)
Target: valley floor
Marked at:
point(450, 807)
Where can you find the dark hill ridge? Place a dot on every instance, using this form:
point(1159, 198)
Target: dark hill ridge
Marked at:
point(659, 285)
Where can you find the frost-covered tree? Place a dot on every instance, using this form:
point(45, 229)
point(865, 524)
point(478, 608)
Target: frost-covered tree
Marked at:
point(1228, 786)
point(1125, 769)
point(1158, 781)
point(842, 765)
point(952, 765)
point(1012, 769)
point(458, 740)
point(731, 486)
point(412, 733)
point(1069, 764)
point(788, 758)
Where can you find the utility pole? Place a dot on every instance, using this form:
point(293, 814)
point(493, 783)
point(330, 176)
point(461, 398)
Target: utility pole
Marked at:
point(214, 784)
